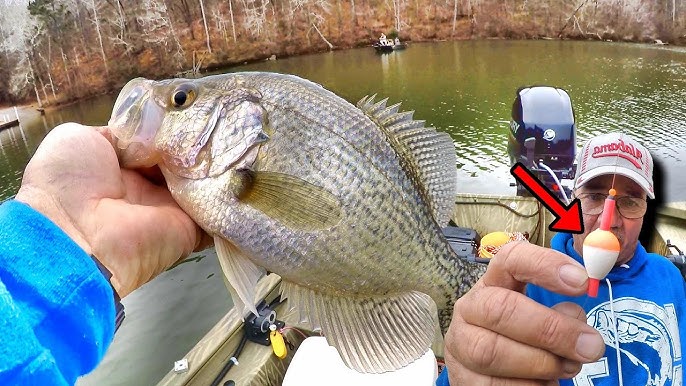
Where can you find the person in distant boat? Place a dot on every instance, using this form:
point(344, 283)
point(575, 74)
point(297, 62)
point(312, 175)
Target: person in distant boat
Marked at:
point(503, 331)
point(397, 41)
point(382, 40)
point(80, 234)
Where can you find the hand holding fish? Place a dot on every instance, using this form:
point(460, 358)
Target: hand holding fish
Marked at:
point(499, 335)
point(132, 226)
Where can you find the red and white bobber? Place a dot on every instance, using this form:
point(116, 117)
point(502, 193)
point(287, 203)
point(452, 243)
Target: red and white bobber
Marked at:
point(601, 248)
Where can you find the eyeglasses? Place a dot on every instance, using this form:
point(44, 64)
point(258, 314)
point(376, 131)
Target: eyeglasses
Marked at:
point(629, 207)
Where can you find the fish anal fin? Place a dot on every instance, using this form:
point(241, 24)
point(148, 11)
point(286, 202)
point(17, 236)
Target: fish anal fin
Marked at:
point(292, 201)
point(240, 274)
point(372, 334)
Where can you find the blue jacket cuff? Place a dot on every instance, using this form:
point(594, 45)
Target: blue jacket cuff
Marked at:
point(57, 288)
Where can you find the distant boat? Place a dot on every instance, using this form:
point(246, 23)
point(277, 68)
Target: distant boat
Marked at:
point(389, 46)
point(382, 48)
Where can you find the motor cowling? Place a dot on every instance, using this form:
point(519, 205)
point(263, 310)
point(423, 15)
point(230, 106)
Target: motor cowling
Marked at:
point(543, 133)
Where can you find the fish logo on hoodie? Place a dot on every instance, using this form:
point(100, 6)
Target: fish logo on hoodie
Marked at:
point(649, 344)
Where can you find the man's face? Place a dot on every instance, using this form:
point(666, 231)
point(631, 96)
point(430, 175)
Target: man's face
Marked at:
point(626, 230)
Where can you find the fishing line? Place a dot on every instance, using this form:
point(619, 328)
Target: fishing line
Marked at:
point(606, 219)
point(609, 286)
point(614, 175)
point(614, 326)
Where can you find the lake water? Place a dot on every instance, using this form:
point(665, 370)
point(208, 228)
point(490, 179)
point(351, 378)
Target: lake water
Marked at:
point(464, 88)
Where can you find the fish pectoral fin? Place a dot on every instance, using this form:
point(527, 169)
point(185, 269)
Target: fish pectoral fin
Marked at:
point(372, 334)
point(292, 201)
point(240, 275)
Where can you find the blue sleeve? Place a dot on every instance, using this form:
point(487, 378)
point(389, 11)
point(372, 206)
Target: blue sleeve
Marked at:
point(442, 379)
point(56, 308)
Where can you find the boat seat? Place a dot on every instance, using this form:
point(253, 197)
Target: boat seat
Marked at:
point(317, 363)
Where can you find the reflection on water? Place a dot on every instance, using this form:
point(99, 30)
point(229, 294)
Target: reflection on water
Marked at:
point(464, 88)
point(16, 146)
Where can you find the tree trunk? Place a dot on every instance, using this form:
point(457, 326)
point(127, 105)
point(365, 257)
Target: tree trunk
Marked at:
point(188, 17)
point(120, 9)
point(233, 25)
point(454, 17)
point(78, 65)
point(354, 14)
point(173, 36)
point(49, 71)
point(78, 24)
point(398, 22)
point(33, 80)
point(204, 22)
point(66, 69)
point(97, 29)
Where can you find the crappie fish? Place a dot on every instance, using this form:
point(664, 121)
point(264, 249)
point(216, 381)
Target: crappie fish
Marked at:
point(344, 202)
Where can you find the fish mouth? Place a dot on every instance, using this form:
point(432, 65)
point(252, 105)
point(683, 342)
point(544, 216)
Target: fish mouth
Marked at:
point(135, 120)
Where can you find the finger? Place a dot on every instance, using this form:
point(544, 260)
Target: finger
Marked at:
point(571, 309)
point(107, 133)
point(497, 355)
point(461, 375)
point(156, 238)
point(139, 190)
point(205, 241)
point(521, 319)
point(518, 263)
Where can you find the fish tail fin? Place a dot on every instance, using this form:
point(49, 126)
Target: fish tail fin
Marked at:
point(372, 334)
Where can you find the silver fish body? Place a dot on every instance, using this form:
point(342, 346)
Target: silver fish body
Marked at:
point(344, 202)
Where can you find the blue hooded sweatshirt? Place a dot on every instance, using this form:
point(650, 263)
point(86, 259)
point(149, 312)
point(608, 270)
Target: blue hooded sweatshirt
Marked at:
point(56, 308)
point(649, 307)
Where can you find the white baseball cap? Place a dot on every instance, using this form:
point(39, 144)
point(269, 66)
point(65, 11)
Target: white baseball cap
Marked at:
point(615, 153)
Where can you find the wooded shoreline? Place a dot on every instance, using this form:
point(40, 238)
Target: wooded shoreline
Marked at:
point(60, 51)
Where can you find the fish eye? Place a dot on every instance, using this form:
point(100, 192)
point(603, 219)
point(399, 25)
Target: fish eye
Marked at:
point(183, 96)
point(180, 98)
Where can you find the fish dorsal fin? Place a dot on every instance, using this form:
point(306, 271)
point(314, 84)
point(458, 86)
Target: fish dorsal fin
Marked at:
point(292, 201)
point(371, 334)
point(430, 155)
point(240, 274)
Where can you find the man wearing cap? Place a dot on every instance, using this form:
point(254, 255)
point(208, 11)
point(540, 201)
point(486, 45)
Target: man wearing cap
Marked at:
point(632, 335)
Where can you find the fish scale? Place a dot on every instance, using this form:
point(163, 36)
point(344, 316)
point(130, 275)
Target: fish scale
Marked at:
point(344, 202)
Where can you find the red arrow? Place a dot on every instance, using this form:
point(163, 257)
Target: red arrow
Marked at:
point(568, 218)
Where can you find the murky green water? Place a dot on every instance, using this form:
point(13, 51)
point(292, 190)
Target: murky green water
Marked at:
point(464, 88)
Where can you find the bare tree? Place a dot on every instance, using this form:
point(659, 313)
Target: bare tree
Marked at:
point(96, 22)
point(120, 22)
point(48, 67)
point(66, 68)
point(158, 29)
point(454, 16)
point(204, 22)
point(255, 16)
point(20, 31)
point(233, 24)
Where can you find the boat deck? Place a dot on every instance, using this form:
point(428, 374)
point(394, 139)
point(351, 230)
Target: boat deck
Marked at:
point(210, 354)
point(670, 226)
point(485, 214)
point(8, 124)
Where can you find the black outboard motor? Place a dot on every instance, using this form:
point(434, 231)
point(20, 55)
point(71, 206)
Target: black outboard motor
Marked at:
point(543, 137)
